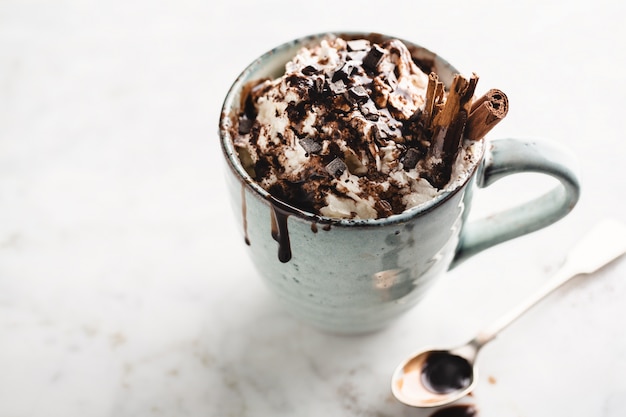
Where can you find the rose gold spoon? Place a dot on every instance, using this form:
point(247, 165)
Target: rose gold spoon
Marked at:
point(435, 377)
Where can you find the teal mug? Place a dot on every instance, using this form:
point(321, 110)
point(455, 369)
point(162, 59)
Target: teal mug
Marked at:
point(355, 276)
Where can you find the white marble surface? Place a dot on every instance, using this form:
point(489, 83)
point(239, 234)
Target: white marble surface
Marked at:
point(124, 290)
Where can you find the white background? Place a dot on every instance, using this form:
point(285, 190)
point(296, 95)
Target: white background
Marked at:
point(124, 286)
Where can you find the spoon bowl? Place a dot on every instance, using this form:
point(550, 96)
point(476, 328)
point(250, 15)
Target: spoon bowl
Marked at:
point(435, 377)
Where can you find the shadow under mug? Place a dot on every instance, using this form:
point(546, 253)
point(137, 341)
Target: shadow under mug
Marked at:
point(354, 276)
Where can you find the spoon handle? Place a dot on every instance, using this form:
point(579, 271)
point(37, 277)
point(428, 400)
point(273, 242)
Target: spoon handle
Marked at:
point(602, 245)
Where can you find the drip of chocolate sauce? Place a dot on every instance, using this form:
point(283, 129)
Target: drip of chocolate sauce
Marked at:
point(444, 373)
point(279, 229)
point(280, 233)
point(456, 411)
point(244, 213)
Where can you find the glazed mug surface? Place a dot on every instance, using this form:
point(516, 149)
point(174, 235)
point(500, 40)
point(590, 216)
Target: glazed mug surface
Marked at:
point(355, 276)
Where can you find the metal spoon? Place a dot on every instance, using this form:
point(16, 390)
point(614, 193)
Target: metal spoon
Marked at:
point(435, 377)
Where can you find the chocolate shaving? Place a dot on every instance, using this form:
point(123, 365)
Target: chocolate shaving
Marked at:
point(310, 145)
point(245, 125)
point(411, 157)
point(336, 167)
point(310, 70)
point(338, 87)
point(318, 86)
point(344, 73)
point(369, 110)
point(383, 208)
point(378, 134)
point(358, 94)
point(373, 57)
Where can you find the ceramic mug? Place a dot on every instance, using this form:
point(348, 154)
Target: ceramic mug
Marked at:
point(354, 276)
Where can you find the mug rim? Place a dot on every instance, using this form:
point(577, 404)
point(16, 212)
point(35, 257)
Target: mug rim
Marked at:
point(230, 153)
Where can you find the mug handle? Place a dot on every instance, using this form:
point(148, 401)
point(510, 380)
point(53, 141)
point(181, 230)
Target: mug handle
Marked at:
point(511, 156)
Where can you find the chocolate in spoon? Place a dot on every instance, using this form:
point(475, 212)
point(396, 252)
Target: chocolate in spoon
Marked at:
point(435, 377)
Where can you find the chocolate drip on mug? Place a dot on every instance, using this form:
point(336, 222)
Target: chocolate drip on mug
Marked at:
point(244, 214)
point(280, 233)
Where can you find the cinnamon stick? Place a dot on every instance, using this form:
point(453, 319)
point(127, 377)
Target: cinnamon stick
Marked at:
point(457, 116)
point(447, 140)
point(448, 126)
point(486, 112)
point(431, 96)
point(468, 94)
